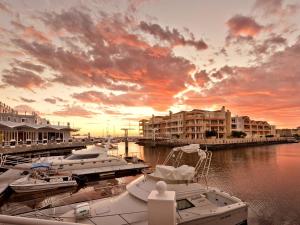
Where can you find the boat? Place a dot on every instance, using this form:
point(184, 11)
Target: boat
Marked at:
point(95, 161)
point(197, 203)
point(33, 183)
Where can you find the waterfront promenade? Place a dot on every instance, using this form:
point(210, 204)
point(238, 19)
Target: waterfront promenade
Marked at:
point(214, 144)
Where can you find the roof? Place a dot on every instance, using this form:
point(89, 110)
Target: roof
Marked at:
point(12, 125)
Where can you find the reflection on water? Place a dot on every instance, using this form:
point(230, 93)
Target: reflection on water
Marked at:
point(267, 177)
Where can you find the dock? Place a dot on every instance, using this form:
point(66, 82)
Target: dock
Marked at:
point(215, 144)
point(35, 149)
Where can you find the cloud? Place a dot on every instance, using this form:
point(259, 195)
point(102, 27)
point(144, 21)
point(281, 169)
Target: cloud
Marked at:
point(276, 7)
point(269, 46)
point(50, 100)
point(30, 32)
point(114, 57)
point(267, 91)
point(76, 111)
point(4, 7)
point(29, 66)
point(27, 100)
point(127, 99)
point(20, 78)
point(171, 36)
point(25, 109)
point(243, 26)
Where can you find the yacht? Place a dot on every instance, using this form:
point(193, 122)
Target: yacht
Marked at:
point(197, 203)
point(94, 160)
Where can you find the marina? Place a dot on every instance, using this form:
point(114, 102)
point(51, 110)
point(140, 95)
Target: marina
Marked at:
point(140, 112)
point(234, 171)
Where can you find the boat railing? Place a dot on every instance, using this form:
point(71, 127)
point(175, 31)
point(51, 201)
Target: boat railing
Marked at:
point(202, 166)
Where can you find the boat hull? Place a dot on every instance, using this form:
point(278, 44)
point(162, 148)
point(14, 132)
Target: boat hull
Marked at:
point(41, 187)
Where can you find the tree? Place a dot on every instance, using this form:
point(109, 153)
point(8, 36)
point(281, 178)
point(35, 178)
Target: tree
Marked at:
point(238, 134)
point(211, 133)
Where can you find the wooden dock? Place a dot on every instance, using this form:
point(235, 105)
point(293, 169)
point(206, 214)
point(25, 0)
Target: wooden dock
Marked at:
point(38, 148)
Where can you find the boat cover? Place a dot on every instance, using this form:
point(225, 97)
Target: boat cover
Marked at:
point(192, 148)
point(40, 165)
point(183, 172)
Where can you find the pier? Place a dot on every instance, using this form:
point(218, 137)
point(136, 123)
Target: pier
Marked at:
point(215, 144)
point(35, 149)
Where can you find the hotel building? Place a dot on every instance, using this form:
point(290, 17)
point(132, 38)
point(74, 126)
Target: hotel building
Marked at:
point(18, 128)
point(252, 128)
point(187, 124)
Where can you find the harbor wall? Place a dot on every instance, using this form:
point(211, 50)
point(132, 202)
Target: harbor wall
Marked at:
point(215, 144)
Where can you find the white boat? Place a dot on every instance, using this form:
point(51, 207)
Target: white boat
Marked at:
point(32, 184)
point(197, 204)
point(94, 160)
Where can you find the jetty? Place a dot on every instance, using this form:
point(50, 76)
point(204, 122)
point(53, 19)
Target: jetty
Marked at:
point(215, 144)
point(50, 148)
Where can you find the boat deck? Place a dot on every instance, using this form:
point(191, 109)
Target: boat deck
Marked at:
point(110, 169)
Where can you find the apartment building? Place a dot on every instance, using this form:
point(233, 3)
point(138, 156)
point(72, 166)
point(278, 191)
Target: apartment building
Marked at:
point(187, 124)
point(288, 132)
point(253, 128)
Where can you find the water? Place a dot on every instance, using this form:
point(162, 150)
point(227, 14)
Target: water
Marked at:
point(266, 177)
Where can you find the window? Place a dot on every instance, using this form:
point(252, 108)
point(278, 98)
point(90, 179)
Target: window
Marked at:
point(184, 204)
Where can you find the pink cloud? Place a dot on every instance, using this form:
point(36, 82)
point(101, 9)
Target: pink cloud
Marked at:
point(27, 100)
point(22, 79)
point(172, 36)
point(243, 26)
point(266, 91)
point(76, 111)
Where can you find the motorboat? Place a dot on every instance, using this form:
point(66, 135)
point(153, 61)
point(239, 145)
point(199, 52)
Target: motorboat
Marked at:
point(33, 183)
point(92, 157)
point(95, 161)
point(197, 203)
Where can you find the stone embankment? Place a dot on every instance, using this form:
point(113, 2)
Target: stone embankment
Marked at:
point(214, 144)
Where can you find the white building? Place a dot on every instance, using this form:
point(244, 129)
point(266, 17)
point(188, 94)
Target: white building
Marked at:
point(253, 128)
point(30, 128)
point(188, 124)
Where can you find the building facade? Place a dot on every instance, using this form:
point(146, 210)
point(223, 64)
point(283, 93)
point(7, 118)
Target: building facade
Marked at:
point(29, 128)
point(253, 128)
point(187, 124)
point(288, 132)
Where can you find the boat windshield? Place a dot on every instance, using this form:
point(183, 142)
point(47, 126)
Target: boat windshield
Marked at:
point(82, 156)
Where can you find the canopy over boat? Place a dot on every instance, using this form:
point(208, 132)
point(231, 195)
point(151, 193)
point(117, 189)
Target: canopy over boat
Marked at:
point(40, 165)
point(192, 148)
point(183, 172)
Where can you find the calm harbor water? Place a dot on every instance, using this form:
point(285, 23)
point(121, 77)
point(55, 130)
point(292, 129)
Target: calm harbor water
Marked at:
point(267, 177)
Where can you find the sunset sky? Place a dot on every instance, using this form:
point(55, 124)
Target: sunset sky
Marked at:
point(103, 65)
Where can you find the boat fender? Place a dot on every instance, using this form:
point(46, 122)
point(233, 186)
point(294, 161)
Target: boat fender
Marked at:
point(82, 210)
